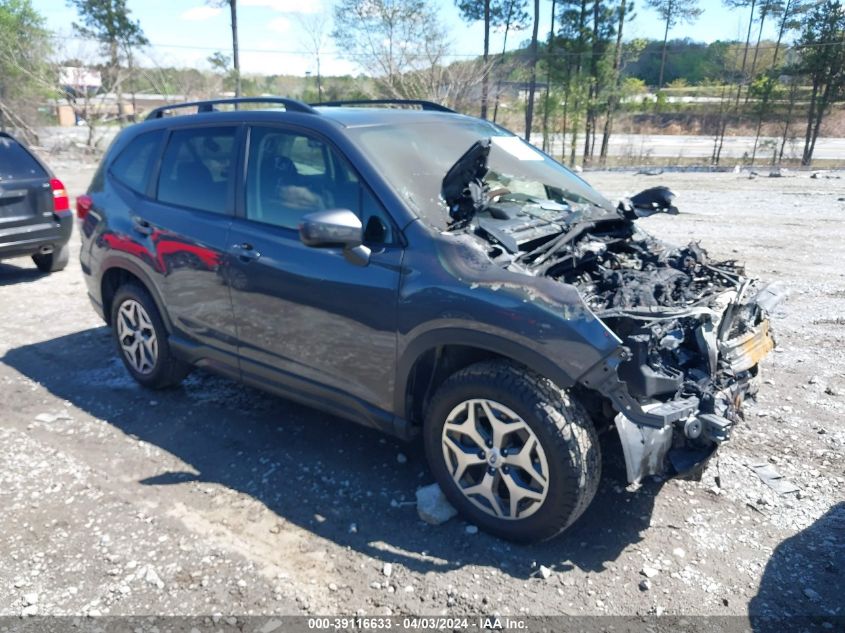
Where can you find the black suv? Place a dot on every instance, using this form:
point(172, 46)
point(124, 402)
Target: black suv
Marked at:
point(424, 273)
point(35, 215)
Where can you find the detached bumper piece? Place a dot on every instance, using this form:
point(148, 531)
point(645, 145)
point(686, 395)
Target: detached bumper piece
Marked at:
point(647, 449)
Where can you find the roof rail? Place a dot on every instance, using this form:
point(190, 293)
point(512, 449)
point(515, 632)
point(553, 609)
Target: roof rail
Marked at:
point(291, 105)
point(424, 105)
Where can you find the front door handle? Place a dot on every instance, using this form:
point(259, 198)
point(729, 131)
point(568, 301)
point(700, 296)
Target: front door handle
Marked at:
point(141, 226)
point(246, 252)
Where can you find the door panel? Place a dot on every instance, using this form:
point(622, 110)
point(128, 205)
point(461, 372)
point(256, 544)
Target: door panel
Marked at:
point(186, 230)
point(187, 249)
point(307, 312)
point(310, 313)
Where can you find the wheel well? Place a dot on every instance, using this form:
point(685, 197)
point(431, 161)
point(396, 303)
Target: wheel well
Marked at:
point(113, 279)
point(432, 368)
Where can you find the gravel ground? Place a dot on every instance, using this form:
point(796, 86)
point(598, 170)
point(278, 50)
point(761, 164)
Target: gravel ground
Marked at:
point(216, 499)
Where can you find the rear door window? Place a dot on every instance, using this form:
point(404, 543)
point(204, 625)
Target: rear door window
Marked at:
point(135, 163)
point(197, 169)
point(16, 162)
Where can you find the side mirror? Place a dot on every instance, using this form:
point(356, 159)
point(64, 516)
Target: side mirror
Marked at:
point(336, 227)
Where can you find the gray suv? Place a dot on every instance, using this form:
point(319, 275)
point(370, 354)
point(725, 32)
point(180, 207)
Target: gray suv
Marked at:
point(430, 275)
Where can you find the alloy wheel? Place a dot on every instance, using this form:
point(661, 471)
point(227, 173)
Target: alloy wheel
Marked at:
point(136, 336)
point(495, 459)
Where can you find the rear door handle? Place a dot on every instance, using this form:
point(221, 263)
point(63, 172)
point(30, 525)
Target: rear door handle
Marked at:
point(246, 252)
point(141, 226)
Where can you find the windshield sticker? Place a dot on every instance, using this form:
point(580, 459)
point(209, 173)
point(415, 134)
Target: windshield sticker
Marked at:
point(516, 147)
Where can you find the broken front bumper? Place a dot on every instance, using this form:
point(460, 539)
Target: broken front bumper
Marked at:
point(675, 435)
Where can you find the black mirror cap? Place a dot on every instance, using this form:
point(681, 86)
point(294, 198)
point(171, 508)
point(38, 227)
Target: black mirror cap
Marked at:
point(655, 199)
point(335, 227)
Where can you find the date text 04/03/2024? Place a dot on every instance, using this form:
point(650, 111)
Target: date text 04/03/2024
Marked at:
point(410, 623)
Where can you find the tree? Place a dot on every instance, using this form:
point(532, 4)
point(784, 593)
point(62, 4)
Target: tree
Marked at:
point(723, 113)
point(767, 8)
point(547, 99)
point(822, 50)
point(108, 22)
point(24, 70)
point(472, 11)
point(315, 27)
point(532, 85)
point(622, 13)
point(236, 61)
point(574, 38)
point(398, 42)
point(493, 13)
point(219, 61)
point(221, 66)
point(792, 97)
point(789, 11)
point(600, 35)
point(514, 18)
point(673, 12)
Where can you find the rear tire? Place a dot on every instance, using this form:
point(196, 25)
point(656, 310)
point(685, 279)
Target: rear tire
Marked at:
point(532, 471)
point(53, 262)
point(142, 340)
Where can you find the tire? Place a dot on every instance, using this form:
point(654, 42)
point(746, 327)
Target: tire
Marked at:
point(54, 262)
point(137, 325)
point(524, 404)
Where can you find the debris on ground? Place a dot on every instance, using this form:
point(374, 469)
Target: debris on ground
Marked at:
point(432, 505)
point(769, 475)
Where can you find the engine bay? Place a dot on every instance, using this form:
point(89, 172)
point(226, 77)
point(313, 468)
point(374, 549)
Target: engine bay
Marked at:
point(685, 320)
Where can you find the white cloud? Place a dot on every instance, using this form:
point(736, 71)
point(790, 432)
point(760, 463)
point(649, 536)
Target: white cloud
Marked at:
point(198, 14)
point(285, 6)
point(279, 25)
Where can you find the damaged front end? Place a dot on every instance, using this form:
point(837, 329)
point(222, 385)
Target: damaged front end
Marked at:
point(687, 364)
point(693, 331)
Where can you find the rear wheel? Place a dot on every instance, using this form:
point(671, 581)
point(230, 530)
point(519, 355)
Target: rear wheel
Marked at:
point(512, 451)
point(53, 262)
point(141, 339)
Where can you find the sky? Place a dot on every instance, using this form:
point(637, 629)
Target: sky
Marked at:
point(187, 32)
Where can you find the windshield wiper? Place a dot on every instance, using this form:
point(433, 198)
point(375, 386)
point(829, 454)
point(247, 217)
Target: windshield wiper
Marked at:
point(463, 186)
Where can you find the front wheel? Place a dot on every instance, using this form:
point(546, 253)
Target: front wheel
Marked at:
point(514, 453)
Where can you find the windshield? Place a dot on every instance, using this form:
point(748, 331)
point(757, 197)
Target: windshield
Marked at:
point(414, 159)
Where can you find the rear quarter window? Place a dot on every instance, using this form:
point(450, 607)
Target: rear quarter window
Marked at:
point(16, 162)
point(134, 164)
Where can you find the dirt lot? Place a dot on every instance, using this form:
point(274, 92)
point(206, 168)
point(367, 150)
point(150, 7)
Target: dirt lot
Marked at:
point(216, 499)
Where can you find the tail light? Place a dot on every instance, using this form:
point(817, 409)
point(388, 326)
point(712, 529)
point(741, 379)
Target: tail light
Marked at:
point(83, 206)
point(61, 202)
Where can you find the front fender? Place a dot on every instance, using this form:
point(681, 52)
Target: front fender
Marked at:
point(453, 293)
